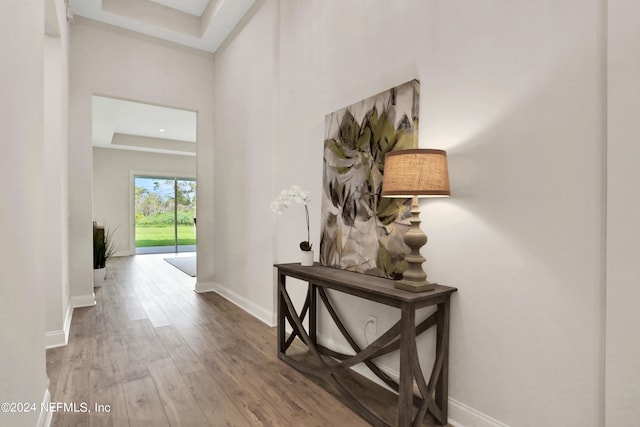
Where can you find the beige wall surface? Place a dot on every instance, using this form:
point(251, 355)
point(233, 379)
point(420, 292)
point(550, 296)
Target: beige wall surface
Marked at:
point(23, 376)
point(56, 235)
point(541, 223)
point(623, 211)
point(110, 62)
point(514, 93)
point(245, 97)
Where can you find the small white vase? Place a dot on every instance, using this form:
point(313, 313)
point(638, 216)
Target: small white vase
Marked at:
point(99, 276)
point(307, 258)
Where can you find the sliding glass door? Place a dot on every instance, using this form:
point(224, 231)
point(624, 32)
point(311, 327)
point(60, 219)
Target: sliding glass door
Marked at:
point(165, 210)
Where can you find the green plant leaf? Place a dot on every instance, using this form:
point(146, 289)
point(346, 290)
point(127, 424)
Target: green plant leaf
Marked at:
point(389, 209)
point(349, 130)
point(383, 260)
point(335, 147)
point(364, 140)
point(404, 141)
point(103, 246)
point(399, 268)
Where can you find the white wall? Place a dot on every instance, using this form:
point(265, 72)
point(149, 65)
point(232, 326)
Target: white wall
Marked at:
point(623, 229)
point(23, 218)
point(56, 233)
point(514, 92)
point(116, 63)
point(244, 122)
point(112, 187)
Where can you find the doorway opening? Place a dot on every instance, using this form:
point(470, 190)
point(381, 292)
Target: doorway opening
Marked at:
point(165, 214)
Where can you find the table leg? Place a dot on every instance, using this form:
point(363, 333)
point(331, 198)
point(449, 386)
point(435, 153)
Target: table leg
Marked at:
point(282, 280)
point(442, 345)
point(313, 313)
point(407, 343)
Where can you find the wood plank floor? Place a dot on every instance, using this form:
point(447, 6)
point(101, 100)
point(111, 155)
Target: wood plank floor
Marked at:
point(157, 354)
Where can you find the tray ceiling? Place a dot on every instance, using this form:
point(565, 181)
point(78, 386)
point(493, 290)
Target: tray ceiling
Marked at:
point(201, 24)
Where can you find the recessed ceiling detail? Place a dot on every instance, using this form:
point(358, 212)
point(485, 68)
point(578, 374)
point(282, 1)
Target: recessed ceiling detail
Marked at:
point(201, 24)
point(192, 7)
point(154, 14)
point(132, 125)
point(146, 143)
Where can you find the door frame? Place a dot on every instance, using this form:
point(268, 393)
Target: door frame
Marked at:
point(132, 198)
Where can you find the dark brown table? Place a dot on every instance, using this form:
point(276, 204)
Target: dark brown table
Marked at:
point(401, 337)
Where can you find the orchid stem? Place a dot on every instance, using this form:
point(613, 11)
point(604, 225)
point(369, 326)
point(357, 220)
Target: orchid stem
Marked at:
point(306, 211)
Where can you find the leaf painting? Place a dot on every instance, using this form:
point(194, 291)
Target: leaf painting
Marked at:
point(361, 231)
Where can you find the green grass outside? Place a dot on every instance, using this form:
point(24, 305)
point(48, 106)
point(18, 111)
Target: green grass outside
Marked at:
point(162, 235)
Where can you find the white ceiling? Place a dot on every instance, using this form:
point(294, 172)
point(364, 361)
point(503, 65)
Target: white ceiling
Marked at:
point(131, 125)
point(192, 7)
point(201, 24)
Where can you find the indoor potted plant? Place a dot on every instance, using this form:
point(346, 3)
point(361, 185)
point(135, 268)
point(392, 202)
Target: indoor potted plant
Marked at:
point(283, 201)
point(103, 250)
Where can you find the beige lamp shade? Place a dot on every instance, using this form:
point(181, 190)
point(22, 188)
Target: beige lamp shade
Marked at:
point(417, 172)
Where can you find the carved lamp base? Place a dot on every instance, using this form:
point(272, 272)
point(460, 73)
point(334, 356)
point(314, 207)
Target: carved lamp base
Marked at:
point(415, 286)
point(414, 279)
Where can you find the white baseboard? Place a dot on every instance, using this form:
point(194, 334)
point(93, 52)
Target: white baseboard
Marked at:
point(44, 420)
point(202, 287)
point(84, 301)
point(250, 307)
point(53, 339)
point(60, 338)
point(461, 415)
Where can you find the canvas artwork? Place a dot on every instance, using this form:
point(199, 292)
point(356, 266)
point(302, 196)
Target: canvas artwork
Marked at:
point(361, 231)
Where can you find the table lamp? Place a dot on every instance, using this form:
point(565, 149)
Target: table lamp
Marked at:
point(415, 173)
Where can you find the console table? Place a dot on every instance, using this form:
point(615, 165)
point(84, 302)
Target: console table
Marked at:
point(411, 409)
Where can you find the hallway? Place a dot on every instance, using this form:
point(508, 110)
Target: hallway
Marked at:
point(153, 352)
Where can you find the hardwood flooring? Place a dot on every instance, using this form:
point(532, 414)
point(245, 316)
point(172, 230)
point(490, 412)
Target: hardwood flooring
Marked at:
point(154, 353)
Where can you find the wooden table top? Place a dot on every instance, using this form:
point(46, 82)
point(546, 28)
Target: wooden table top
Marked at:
point(371, 287)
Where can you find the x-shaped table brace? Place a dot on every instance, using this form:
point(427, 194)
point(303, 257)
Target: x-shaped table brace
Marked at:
point(401, 336)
